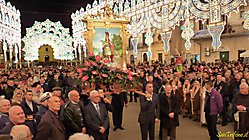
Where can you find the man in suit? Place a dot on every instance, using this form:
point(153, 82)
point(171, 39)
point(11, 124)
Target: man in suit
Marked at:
point(50, 127)
point(29, 106)
point(118, 101)
point(168, 113)
point(149, 112)
point(97, 120)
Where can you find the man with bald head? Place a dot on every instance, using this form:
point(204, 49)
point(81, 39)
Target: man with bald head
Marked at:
point(73, 117)
point(4, 112)
point(241, 108)
point(16, 117)
point(50, 127)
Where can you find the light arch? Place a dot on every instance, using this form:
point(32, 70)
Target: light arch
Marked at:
point(48, 33)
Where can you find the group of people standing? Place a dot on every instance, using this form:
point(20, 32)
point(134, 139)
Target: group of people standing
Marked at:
point(53, 105)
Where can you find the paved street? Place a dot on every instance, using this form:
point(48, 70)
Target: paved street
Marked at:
point(188, 130)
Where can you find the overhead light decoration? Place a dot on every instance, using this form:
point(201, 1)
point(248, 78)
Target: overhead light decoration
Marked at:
point(51, 33)
point(10, 29)
point(165, 15)
point(246, 22)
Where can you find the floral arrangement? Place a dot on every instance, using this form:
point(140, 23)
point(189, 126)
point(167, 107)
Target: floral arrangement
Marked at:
point(99, 72)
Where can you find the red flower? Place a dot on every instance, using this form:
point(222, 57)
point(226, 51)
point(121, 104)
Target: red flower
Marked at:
point(95, 72)
point(87, 63)
point(130, 73)
point(79, 70)
point(124, 71)
point(106, 61)
point(84, 69)
point(119, 77)
point(101, 66)
point(84, 78)
point(80, 74)
point(130, 77)
point(94, 64)
point(97, 58)
point(90, 54)
point(104, 75)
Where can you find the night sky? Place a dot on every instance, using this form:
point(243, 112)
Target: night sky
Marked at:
point(40, 10)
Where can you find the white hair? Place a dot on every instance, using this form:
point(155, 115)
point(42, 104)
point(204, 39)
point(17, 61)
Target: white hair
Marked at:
point(243, 84)
point(71, 92)
point(80, 136)
point(18, 132)
point(3, 101)
point(93, 92)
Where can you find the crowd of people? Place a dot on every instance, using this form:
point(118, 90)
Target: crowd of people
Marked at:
point(50, 103)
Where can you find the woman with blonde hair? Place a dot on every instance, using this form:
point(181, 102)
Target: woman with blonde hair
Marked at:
point(17, 97)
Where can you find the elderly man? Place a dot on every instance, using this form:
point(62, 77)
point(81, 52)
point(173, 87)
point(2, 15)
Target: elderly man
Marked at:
point(21, 132)
point(241, 108)
point(169, 113)
point(50, 127)
point(16, 116)
point(73, 117)
point(97, 120)
point(4, 109)
point(43, 107)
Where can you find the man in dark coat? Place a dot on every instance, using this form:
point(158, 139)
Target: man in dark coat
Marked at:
point(118, 101)
point(222, 88)
point(73, 117)
point(50, 127)
point(168, 113)
point(97, 120)
point(241, 107)
point(149, 112)
point(16, 117)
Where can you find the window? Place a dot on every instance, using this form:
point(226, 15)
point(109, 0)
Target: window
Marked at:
point(160, 57)
point(241, 11)
point(46, 49)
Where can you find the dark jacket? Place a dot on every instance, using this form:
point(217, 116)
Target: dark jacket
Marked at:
point(149, 110)
point(7, 128)
point(215, 102)
point(4, 119)
point(27, 109)
point(94, 121)
point(41, 111)
point(164, 111)
point(72, 121)
point(118, 100)
point(50, 128)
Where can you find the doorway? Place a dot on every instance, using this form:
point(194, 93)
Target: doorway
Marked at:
point(145, 58)
point(46, 58)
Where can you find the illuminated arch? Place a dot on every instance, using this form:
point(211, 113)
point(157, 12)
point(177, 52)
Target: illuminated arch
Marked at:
point(50, 33)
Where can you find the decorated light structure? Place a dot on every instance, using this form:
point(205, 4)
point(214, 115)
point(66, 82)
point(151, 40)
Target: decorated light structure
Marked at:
point(246, 22)
point(164, 15)
point(51, 33)
point(10, 30)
